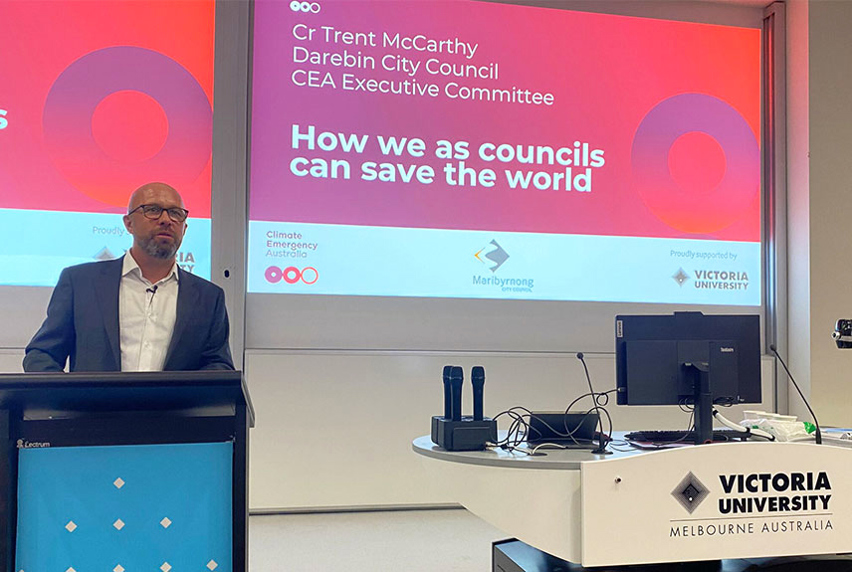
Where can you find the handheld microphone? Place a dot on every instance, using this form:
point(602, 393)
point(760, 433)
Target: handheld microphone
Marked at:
point(448, 392)
point(818, 434)
point(457, 379)
point(477, 380)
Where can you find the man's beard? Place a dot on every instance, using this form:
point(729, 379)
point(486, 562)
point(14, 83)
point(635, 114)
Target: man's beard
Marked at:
point(157, 249)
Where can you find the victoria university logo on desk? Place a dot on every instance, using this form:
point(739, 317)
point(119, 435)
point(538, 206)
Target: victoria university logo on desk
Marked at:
point(690, 492)
point(781, 502)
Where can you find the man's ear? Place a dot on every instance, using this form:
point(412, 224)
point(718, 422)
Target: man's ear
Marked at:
point(128, 223)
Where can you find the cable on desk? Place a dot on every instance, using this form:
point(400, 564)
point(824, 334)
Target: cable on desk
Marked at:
point(520, 428)
point(602, 445)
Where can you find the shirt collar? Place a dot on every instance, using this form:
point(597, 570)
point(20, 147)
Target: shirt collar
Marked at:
point(130, 266)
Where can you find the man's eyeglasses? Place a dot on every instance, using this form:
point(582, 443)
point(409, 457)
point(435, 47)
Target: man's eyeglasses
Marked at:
point(154, 212)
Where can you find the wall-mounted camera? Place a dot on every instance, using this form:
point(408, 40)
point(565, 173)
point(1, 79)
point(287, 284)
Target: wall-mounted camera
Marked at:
point(842, 334)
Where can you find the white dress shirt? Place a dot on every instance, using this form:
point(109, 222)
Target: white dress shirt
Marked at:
point(146, 317)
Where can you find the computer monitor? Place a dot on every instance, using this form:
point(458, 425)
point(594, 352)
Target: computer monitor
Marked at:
point(688, 358)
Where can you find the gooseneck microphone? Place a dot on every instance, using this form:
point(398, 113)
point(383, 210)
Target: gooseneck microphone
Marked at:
point(818, 434)
point(477, 380)
point(448, 392)
point(456, 380)
point(603, 440)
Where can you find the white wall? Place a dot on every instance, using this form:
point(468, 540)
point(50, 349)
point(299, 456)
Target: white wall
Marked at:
point(334, 429)
point(11, 360)
point(828, 292)
point(798, 205)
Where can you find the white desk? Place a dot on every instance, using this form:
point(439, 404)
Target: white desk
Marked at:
point(627, 508)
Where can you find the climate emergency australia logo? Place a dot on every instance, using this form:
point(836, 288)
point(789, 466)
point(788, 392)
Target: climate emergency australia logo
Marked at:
point(292, 275)
point(309, 7)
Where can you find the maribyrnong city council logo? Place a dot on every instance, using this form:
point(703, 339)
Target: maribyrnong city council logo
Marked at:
point(496, 254)
point(690, 492)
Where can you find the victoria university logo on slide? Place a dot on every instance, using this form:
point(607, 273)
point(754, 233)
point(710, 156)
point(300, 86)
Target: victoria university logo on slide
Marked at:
point(713, 279)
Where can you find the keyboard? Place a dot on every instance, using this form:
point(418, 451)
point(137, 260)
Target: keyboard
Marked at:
point(664, 437)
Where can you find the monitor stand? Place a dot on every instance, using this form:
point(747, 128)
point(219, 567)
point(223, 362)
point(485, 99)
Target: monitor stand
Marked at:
point(699, 373)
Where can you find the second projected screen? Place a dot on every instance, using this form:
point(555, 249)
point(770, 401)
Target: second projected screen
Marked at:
point(482, 150)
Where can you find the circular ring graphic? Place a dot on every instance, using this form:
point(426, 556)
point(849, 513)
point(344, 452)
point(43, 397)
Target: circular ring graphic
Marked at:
point(309, 270)
point(76, 94)
point(696, 210)
point(273, 274)
point(126, 112)
point(291, 275)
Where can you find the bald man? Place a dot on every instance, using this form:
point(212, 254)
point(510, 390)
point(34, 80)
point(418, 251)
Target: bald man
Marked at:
point(140, 312)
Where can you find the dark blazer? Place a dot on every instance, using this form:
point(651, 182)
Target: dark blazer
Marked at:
point(82, 324)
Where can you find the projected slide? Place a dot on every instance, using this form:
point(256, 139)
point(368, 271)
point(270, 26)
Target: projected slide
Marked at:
point(98, 98)
point(482, 150)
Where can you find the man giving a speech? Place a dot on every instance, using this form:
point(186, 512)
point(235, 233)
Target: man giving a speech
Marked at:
point(140, 312)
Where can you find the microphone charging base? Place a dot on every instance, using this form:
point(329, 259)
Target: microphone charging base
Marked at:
point(464, 435)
